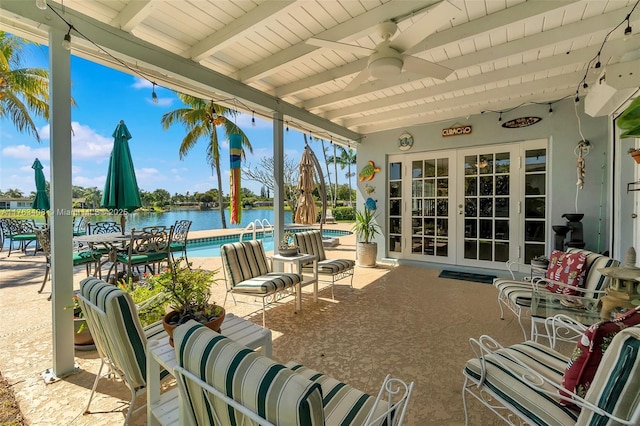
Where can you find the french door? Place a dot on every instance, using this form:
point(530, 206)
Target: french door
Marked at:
point(472, 207)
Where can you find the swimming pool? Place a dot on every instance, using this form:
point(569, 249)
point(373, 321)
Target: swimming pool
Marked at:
point(210, 247)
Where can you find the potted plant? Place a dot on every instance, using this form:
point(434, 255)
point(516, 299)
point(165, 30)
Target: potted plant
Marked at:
point(82, 338)
point(629, 121)
point(635, 153)
point(287, 246)
point(540, 262)
point(366, 228)
point(188, 292)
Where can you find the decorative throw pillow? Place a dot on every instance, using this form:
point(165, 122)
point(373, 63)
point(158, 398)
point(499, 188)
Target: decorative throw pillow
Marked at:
point(588, 353)
point(567, 268)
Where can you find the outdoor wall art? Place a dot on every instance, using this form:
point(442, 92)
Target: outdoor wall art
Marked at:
point(368, 189)
point(371, 204)
point(235, 156)
point(516, 123)
point(405, 141)
point(369, 171)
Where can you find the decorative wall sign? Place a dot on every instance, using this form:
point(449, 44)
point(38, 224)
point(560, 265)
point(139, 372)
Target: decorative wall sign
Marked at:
point(520, 122)
point(456, 131)
point(405, 141)
point(369, 171)
point(371, 204)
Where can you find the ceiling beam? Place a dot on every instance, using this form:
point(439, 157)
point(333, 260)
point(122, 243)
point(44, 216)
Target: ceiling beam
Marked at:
point(457, 113)
point(495, 20)
point(224, 37)
point(132, 15)
point(536, 41)
point(507, 92)
point(346, 31)
point(137, 52)
point(614, 49)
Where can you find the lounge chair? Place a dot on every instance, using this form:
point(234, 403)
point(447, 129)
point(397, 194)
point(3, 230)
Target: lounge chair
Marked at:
point(120, 339)
point(329, 270)
point(223, 382)
point(247, 272)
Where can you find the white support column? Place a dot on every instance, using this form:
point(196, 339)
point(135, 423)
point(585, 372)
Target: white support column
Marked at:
point(278, 171)
point(61, 205)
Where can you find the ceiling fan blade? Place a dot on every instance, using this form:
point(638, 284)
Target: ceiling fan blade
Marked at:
point(432, 19)
point(426, 68)
point(336, 45)
point(357, 80)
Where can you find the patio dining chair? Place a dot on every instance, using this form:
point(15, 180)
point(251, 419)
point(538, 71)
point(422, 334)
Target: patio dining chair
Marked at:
point(120, 339)
point(21, 231)
point(179, 239)
point(80, 257)
point(146, 248)
point(103, 227)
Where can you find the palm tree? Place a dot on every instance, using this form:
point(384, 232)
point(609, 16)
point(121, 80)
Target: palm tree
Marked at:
point(22, 90)
point(347, 158)
point(201, 119)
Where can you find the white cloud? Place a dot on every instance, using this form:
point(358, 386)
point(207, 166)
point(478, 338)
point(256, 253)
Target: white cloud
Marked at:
point(90, 182)
point(86, 143)
point(141, 83)
point(24, 152)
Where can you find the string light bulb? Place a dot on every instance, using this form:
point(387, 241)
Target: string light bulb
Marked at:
point(253, 118)
point(627, 30)
point(41, 4)
point(550, 110)
point(287, 126)
point(66, 43)
point(154, 96)
point(500, 118)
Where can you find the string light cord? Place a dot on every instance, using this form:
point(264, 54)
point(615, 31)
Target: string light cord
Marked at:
point(583, 82)
point(315, 134)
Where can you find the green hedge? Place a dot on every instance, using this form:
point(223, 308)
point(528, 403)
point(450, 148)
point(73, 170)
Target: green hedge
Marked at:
point(344, 213)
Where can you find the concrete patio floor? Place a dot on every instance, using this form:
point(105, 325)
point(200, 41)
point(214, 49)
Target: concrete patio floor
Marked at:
point(401, 320)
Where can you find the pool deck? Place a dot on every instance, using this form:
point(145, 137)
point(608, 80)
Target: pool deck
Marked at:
point(398, 320)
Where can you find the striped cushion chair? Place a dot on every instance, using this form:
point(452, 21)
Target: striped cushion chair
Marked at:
point(241, 385)
point(120, 339)
point(329, 270)
point(247, 272)
point(524, 380)
point(516, 295)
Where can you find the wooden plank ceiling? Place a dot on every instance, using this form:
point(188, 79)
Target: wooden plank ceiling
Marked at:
point(501, 53)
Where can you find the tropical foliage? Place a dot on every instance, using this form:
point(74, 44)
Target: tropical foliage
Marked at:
point(201, 120)
point(346, 158)
point(23, 91)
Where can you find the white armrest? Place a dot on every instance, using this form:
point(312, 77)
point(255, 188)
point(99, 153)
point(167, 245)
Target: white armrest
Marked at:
point(542, 282)
point(562, 328)
point(395, 394)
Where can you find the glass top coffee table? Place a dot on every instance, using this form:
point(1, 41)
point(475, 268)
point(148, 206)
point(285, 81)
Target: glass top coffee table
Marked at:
point(544, 304)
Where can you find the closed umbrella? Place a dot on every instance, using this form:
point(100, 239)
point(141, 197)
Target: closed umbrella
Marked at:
point(41, 200)
point(306, 212)
point(121, 194)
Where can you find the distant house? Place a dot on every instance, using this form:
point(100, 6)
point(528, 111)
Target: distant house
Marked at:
point(15, 203)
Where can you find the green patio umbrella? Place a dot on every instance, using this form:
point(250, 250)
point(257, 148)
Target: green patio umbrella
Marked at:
point(121, 194)
point(41, 200)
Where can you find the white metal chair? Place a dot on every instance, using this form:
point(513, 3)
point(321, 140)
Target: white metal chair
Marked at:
point(120, 339)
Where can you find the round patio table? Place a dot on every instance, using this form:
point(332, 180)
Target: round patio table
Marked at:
point(111, 241)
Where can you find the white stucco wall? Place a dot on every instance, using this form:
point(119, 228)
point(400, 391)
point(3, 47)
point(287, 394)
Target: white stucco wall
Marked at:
point(561, 130)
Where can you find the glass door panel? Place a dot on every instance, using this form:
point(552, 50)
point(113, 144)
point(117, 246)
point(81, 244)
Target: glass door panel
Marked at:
point(535, 211)
point(395, 207)
point(486, 207)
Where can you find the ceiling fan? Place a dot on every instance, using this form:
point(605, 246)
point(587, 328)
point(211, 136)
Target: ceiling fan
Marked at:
point(387, 59)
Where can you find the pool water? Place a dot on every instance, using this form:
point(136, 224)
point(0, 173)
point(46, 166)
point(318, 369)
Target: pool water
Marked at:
point(212, 248)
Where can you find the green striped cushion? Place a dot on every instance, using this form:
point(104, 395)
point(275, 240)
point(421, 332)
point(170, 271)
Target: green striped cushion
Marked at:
point(269, 283)
point(244, 260)
point(332, 266)
point(343, 405)
point(616, 385)
point(511, 389)
point(594, 280)
point(260, 384)
point(310, 242)
point(518, 292)
point(126, 349)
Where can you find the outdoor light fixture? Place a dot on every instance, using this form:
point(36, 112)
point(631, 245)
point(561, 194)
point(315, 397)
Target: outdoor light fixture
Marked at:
point(253, 118)
point(550, 110)
point(500, 118)
point(287, 126)
point(41, 4)
point(154, 96)
point(627, 31)
point(66, 43)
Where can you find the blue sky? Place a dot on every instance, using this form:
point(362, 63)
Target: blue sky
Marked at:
point(104, 97)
